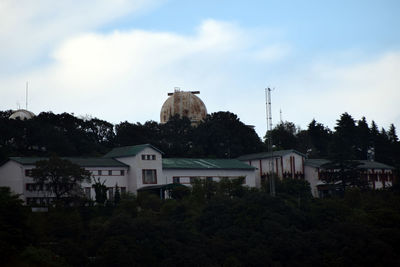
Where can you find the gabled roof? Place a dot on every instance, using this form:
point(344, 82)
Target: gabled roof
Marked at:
point(83, 162)
point(265, 155)
point(128, 151)
point(212, 164)
point(365, 164)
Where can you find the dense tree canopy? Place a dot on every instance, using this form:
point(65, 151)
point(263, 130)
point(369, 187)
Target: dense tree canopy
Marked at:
point(212, 224)
point(220, 135)
point(350, 140)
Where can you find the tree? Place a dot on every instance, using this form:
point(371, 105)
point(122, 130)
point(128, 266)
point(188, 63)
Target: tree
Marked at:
point(176, 136)
point(223, 135)
point(392, 134)
point(320, 137)
point(117, 195)
point(60, 176)
point(284, 135)
point(346, 172)
point(101, 190)
point(14, 230)
point(363, 139)
point(343, 142)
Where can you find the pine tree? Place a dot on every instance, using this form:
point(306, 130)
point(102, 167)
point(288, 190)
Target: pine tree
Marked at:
point(392, 134)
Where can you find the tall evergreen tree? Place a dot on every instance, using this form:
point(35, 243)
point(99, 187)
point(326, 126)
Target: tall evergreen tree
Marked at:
point(363, 139)
point(392, 134)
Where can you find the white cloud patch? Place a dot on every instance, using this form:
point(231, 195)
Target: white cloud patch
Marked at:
point(29, 29)
point(126, 75)
point(325, 91)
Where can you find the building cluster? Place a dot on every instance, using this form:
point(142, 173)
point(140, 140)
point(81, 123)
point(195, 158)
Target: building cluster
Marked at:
point(142, 167)
point(131, 168)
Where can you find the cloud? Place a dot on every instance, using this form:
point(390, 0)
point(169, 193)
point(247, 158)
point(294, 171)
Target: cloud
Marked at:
point(126, 75)
point(324, 91)
point(29, 29)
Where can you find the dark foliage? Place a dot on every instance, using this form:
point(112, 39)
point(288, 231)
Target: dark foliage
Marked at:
point(351, 140)
point(213, 225)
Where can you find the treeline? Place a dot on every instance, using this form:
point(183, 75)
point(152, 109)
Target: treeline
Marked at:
point(351, 140)
point(213, 224)
point(221, 135)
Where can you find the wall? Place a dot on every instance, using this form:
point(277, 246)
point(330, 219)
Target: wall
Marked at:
point(110, 180)
point(12, 175)
point(311, 176)
point(217, 173)
point(291, 163)
point(136, 164)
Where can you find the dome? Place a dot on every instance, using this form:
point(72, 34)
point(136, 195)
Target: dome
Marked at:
point(183, 104)
point(22, 114)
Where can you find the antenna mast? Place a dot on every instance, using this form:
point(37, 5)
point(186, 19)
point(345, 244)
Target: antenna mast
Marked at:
point(270, 149)
point(26, 97)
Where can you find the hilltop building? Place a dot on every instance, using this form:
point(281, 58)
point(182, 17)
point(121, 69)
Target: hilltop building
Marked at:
point(132, 168)
point(376, 174)
point(283, 163)
point(22, 114)
point(184, 104)
point(142, 167)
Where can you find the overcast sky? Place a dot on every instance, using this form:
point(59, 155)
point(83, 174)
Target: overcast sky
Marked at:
point(117, 60)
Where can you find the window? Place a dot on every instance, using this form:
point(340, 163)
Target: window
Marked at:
point(28, 173)
point(123, 190)
point(110, 172)
point(29, 187)
point(149, 176)
point(175, 180)
point(122, 172)
point(99, 172)
point(148, 157)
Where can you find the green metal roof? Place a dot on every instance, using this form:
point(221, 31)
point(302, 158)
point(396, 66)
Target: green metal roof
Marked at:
point(128, 151)
point(189, 163)
point(83, 162)
point(316, 163)
point(265, 155)
point(365, 164)
point(161, 186)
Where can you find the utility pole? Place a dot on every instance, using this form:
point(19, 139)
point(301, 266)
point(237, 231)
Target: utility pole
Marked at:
point(270, 148)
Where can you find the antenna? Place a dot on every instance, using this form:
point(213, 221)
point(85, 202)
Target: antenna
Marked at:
point(269, 129)
point(26, 97)
point(280, 115)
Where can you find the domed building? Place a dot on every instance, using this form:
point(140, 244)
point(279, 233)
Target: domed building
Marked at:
point(184, 104)
point(22, 114)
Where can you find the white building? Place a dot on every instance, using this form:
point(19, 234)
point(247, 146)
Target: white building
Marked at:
point(132, 168)
point(378, 175)
point(183, 171)
point(283, 163)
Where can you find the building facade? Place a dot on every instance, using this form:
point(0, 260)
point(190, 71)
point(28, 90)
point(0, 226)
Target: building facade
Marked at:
point(375, 174)
point(131, 168)
point(282, 163)
point(141, 167)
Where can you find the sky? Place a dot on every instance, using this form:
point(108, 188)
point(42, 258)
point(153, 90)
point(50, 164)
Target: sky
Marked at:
point(117, 60)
